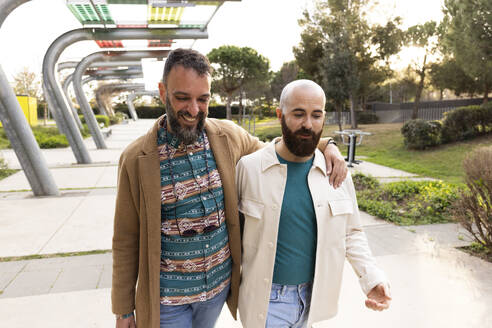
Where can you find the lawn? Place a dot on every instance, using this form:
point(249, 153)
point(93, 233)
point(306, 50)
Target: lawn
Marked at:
point(385, 146)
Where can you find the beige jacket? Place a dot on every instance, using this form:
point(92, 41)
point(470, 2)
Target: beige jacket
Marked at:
point(260, 181)
point(137, 233)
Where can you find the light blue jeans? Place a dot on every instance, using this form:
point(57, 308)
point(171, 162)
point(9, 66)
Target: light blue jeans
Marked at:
point(194, 315)
point(289, 306)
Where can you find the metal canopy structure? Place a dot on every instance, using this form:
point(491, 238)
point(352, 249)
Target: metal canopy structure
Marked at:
point(144, 13)
point(54, 94)
point(133, 72)
point(131, 97)
point(160, 23)
point(79, 93)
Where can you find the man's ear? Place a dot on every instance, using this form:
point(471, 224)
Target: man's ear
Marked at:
point(279, 113)
point(162, 92)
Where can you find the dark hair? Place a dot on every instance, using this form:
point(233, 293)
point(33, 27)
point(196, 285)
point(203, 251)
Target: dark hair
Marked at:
point(188, 58)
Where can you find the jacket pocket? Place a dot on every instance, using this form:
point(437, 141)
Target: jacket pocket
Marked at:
point(341, 206)
point(253, 225)
point(251, 208)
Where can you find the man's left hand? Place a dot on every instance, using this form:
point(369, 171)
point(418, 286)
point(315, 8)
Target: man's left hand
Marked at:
point(336, 167)
point(379, 298)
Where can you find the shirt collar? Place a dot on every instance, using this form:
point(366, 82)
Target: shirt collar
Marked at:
point(164, 135)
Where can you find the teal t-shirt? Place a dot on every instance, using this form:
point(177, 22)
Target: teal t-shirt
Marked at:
point(297, 234)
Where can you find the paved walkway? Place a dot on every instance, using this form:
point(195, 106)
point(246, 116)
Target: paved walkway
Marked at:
point(433, 284)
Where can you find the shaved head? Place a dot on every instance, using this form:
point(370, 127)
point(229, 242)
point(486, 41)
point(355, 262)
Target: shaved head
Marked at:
point(301, 86)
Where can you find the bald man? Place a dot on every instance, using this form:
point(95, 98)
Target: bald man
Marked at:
point(297, 229)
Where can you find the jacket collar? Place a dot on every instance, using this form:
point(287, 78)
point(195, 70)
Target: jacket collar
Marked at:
point(269, 158)
point(150, 139)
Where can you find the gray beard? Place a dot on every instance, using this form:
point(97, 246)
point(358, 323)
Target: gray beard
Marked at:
point(186, 135)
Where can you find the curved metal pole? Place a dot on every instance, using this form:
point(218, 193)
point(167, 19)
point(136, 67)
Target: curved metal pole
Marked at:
point(54, 94)
point(19, 132)
point(68, 80)
point(72, 64)
point(75, 115)
point(120, 87)
point(90, 119)
point(117, 76)
point(131, 97)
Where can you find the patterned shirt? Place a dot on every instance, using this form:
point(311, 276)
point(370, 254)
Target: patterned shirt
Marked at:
point(198, 267)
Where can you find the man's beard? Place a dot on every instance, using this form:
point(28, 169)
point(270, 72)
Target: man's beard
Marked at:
point(296, 145)
point(185, 134)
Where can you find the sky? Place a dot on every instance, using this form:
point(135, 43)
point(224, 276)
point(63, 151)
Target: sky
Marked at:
point(269, 26)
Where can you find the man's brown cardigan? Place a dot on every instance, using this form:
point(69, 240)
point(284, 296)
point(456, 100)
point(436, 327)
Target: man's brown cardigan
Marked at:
point(137, 224)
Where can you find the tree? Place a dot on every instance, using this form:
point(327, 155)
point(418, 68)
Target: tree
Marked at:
point(289, 72)
point(26, 83)
point(337, 50)
point(468, 39)
point(447, 74)
point(234, 67)
point(423, 36)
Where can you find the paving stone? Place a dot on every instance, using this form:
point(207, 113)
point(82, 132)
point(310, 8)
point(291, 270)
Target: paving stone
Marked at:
point(80, 278)
point(6, 278)
point(12, 266)
point(390, 239)
point(106, 277)
point(31, 283)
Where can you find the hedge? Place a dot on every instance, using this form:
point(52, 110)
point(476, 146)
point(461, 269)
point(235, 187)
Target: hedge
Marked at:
point(216, 111)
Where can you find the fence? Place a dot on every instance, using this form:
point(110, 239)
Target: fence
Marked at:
point(399, 113)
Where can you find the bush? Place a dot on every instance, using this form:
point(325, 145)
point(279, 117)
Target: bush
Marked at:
point(362, 181)
point(117, 118)
point(215, 111)
point(366, 117)
point(467, 122)
point(99, 118)
point(473, 210)
point(47, 141)
point(420, 134)
point(406, 202)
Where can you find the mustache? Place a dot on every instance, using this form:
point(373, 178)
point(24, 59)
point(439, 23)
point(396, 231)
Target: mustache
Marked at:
point(304, 131)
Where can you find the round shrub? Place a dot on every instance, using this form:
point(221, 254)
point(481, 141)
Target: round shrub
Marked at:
point(420, 134)
point(99, 118)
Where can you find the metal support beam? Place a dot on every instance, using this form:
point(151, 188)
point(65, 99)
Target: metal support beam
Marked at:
point(55, 96)
point(65, 86)
point(18, 130)
point(134, 72)
point(111, 64)
point(131, 97)
point(90, 119)
point(121, 87)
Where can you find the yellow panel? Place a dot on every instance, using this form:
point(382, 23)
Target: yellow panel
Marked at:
point(33, 111)
point(29, 108)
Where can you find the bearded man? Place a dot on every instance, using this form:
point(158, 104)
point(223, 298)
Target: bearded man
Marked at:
point(176, 243)
point(296, 228)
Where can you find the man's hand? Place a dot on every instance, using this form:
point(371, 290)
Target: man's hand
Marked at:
point(336, 167)
point(379, 298)
point(126, 323)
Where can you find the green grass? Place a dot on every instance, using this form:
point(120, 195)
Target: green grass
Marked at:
point(385, 147)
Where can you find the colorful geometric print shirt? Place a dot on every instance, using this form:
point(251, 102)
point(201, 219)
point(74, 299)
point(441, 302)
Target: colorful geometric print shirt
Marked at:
point(194, 267)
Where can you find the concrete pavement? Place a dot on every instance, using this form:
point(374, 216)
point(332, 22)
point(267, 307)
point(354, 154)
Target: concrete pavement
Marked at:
point(433, 284)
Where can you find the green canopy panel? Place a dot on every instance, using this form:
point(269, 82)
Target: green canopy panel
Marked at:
point(144, 13)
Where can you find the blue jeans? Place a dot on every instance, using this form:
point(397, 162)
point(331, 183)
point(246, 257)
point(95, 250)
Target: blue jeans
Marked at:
point(194, 315)
point(289, 306)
